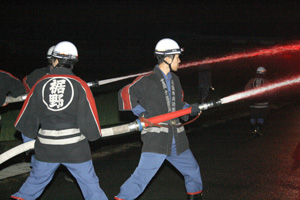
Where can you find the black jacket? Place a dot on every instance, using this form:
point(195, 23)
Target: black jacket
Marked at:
point(260, 101)
point(149, 92)
point(9, 86)
point(60, 112)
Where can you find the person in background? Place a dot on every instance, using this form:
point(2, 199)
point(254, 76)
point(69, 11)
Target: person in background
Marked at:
point(61, 114)
point(9, 86)
point(153, 94)
point(33, 77)
point(258, 105)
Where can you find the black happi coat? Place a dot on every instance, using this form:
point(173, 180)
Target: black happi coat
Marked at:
point(150, 92)
point(61, 106)
point(9, 86)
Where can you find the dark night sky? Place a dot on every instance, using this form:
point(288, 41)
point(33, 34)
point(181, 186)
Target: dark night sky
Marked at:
point(121, 35)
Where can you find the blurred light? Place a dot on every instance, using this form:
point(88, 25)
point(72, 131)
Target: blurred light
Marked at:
point(261, 52)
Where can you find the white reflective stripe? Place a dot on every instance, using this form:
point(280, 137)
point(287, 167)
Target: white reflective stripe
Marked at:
point(155, 129)
point(61, 141)
point(260, 105)
point(55, 133)
point(180, 129)
point(107, 132)
point(265, 103)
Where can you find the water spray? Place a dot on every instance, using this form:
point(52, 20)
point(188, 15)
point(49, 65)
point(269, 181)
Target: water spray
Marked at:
point(261, 52)
point(283, 84)
point(138, 125)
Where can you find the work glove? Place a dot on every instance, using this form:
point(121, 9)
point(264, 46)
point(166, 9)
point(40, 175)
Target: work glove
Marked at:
point(195, 109)
point(144, 114)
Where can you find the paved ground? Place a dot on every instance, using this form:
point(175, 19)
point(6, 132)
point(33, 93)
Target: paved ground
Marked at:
point(233, 164)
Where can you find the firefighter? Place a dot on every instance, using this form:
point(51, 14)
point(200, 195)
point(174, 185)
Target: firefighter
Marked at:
point(28, 82)
point(258, 106)
point(153, 94)
point(31, 79)
point(9, 86)
point(62, 107)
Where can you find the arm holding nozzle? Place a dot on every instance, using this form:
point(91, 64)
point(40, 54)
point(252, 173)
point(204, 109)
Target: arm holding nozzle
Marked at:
point(197, 108)
point(138, 125)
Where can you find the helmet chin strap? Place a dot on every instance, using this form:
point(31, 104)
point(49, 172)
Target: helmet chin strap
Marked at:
point(169, 64)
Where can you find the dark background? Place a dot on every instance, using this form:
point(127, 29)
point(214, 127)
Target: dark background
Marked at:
point(116, 38)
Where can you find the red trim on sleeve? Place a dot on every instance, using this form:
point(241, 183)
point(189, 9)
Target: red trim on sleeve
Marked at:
point(125, 92)
point(126, 97)
point(182, 93)
point(2, 71)
point(25, 84)
point(91, 101)
point(25, 104)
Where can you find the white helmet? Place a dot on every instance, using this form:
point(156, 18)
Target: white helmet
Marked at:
point(261, 70)
point(167, 47)
point(49, 53)
point(65, 50)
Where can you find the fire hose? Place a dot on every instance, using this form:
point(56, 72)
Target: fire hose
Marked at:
point(137, 125)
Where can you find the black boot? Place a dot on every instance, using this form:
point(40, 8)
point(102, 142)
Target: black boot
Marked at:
point(195, 197)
